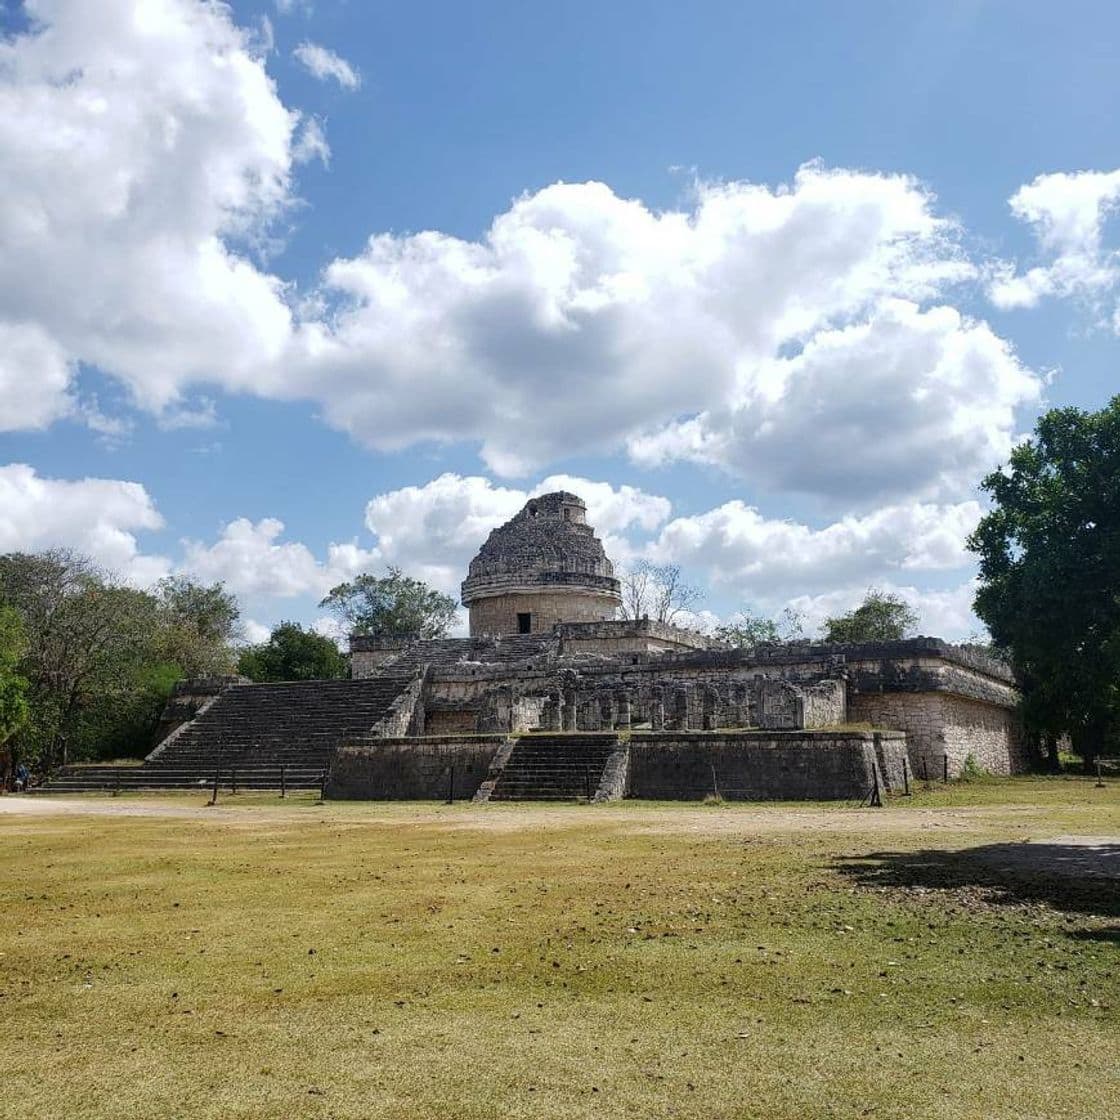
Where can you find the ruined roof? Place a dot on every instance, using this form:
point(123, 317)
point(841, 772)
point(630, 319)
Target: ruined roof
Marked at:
point(548, 543)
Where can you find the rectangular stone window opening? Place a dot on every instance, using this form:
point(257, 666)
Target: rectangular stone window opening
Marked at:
point(524, 623)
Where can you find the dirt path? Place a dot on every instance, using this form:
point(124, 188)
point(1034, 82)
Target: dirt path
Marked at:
point(644, 817)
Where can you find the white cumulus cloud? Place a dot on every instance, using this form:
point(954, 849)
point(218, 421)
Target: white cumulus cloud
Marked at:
point(251, 559)
point(769, 560)
point(34, 378)
point(802, 334)
point(140, 146)
point(796, 318)
point(97, 516)
point(906, 402)
point(1067, 212)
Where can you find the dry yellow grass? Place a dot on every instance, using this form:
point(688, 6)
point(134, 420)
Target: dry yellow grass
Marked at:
point(350, 961)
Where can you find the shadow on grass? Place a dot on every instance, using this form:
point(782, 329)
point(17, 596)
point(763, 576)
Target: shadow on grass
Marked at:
point(1077, 877)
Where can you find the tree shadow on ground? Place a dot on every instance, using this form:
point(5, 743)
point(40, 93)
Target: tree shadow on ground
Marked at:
point(1077, 876)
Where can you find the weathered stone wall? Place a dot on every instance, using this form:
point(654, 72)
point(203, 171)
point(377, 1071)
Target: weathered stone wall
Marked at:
point(760, 765)
point(742, 766)
point(368, 656)
point(620, 636)
point(779, 705)
point(825, 703)
point(450, 721)
point(938, 723)
point(498, 614)
point(406, 713)
point(411, 769)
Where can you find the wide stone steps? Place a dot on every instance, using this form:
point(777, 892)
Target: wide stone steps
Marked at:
point(554, 768)
point(249, 732)
point(92, 779)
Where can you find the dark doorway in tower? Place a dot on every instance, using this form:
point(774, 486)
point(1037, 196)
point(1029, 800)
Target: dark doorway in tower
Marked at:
point(524, 623)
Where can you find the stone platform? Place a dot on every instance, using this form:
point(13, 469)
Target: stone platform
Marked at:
point(736, 765)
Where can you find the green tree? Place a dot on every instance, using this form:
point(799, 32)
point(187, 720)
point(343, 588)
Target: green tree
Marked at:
point(748, 629)
point(881, 617)
point(92, 658)
point(13, 687)
point(293, 654)
point(199, 624)
point(1049, 553)
point(391, 606)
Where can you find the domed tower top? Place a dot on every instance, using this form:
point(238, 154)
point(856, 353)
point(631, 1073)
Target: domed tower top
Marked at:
point(544, 566)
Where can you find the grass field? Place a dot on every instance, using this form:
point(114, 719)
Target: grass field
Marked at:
point(293, 959)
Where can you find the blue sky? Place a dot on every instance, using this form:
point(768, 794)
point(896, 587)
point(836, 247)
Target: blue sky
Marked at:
point(780, 344)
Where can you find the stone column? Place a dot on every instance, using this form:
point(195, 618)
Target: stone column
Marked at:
point(589, 717)
point(657, 709)
point(570, 713)
point(622, 708)
point(677, 718)
point(710, 700)
point(606, 710)
point(692, 711)
point(551, 717)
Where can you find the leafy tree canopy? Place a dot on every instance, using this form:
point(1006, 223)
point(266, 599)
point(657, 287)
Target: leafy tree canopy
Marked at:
point(392, 606)
point(100, 657)
point(199, 624)
point(293, 654)
point(13, 687)
point(747, 629)
point(1049, 555)
point(881, 617)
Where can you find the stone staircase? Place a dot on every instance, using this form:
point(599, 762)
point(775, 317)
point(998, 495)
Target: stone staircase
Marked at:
point(248, 734)
point(552, 767)
point(140, 779)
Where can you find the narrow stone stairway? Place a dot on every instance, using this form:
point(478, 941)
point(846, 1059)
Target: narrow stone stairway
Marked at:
point(553, 767)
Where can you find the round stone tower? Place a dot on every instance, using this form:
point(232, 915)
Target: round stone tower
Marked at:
point(543, 567)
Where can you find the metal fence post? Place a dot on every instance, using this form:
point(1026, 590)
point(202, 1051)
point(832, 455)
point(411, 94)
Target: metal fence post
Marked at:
point(283, 785)
point(217, 775)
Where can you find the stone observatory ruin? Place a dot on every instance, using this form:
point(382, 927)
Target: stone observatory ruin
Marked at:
point(552, 696)
point(544, 567)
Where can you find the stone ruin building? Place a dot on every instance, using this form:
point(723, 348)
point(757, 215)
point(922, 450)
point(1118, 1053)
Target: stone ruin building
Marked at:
point(552, 696)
